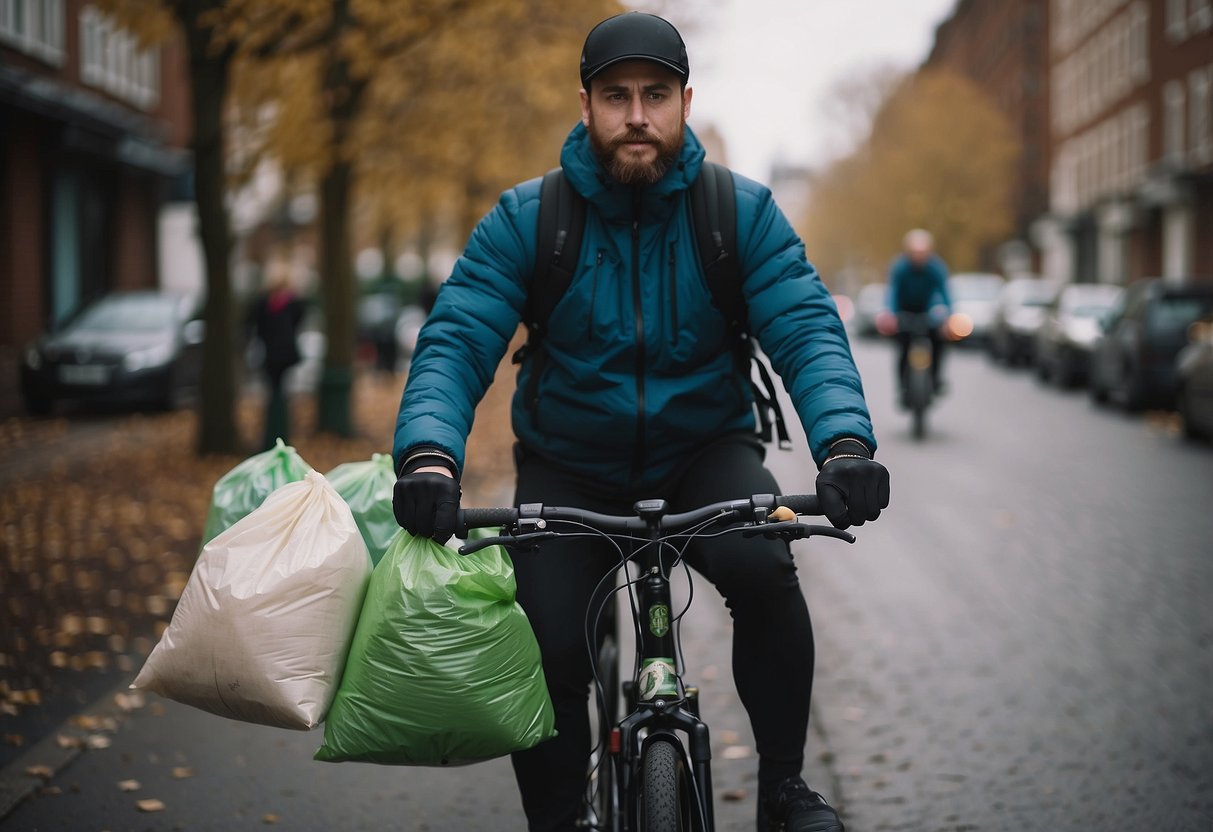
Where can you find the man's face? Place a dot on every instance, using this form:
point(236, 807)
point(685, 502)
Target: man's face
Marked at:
point(919, 255)
point(635, 112)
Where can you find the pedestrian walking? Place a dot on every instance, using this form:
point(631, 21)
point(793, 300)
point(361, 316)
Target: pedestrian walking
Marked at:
point(273, 320)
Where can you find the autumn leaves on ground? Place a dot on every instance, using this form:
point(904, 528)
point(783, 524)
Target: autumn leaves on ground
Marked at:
point(99, 529)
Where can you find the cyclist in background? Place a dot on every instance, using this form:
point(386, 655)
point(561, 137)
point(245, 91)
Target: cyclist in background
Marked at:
point(639, 395)
point(918, 282)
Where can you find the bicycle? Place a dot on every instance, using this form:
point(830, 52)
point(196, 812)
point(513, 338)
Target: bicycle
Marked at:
point(642, 776)
point(918, 386)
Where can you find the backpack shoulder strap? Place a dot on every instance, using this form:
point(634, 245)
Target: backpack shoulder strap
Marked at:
point(714, 217)
point(557, 249)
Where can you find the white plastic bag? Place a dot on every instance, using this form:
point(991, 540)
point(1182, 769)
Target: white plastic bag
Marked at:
point(265, 622)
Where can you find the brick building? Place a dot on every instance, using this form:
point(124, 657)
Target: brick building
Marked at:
point(92, 132)
point(1001, 45)
point(1132, 172)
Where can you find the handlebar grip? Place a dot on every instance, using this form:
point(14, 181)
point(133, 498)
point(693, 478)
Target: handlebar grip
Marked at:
point(478, 518)
point(806, 504)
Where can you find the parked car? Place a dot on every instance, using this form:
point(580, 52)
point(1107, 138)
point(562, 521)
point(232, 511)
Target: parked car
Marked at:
point(869, 302)
point(1017, 318)
point(128, 347)
point(1133, 361)
point(1070, 329)
point(974, 295)
point(1194, 368)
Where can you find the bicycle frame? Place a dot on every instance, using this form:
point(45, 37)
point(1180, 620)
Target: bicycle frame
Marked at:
point(920, 355)
point(658, 706)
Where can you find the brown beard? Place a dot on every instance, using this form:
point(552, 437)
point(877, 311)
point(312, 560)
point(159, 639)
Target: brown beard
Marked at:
point(630, 171)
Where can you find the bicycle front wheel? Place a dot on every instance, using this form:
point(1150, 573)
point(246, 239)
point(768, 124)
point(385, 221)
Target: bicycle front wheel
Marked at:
point(664, 790)
point(920, 399)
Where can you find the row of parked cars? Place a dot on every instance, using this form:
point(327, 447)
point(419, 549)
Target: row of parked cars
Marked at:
point(1147, 345)
point(144, 348)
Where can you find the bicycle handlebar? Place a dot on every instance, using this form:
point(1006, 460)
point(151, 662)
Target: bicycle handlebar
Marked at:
point(649, 514)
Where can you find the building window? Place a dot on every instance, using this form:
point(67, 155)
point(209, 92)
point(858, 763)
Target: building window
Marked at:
point(35, 27)
point(1139, 42)
point(1139, 142)
point(1202, 15)
point(1173, 123)
point(1201, 137)
point(1063, 17)
point(1177, 19)
point(111, 60)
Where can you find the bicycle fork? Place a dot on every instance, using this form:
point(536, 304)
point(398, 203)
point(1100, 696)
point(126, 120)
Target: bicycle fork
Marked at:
point(657, 708)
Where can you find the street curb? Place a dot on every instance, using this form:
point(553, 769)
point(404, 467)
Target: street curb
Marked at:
point(16, 784)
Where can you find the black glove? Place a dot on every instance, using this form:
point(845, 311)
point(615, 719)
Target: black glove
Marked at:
point(851, 486)
point(425, 504)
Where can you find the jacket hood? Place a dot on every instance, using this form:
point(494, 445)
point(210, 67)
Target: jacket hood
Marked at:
point(614, 201)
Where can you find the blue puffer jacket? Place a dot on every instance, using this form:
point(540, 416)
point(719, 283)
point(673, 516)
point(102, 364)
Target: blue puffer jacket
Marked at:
point(918, 288)
point(640, 369)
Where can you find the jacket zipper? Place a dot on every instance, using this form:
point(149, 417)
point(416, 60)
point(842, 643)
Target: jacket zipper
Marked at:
point(638, 312)
point(589, 327)
point(673, 294)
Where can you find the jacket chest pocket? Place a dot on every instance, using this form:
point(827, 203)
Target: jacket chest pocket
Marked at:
point(591, 311)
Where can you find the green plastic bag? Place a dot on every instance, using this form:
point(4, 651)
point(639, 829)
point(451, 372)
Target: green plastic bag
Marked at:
point(366, 488)
point(244, 488)
point(444, 668)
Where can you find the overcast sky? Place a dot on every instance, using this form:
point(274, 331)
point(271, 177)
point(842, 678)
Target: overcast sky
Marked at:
point(761, 68)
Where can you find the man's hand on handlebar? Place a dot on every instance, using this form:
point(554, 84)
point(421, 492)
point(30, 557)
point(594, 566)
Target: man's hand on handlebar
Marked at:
point(426, 502)
point(852, 487)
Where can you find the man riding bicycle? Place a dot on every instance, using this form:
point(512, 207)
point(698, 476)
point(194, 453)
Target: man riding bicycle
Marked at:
point(636, 391)
point(918, 283)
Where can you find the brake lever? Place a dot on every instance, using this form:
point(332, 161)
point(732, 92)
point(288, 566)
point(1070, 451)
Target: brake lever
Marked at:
point(794, 530)
point(515, 541)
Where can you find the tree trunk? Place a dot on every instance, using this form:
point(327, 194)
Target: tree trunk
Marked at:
point(208, 73)
point(337, 282)
point(343, 94)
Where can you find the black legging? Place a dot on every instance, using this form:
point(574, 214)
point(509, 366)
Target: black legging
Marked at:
point(772, 634)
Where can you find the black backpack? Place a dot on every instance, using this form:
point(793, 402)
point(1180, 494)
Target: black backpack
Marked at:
point(714, 223)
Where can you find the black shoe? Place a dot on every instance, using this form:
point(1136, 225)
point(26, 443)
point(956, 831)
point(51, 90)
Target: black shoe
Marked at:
point(794, 807)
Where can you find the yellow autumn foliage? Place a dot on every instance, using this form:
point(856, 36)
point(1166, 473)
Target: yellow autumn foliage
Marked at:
point(939, 156)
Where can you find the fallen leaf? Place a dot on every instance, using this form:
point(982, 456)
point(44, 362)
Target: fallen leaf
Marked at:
point(270, 818)
point(15, 740)
point(182, 772)
point(129, 786)
point(735, 795)
point(44, 772)
point(50, 791)
point(730, 737)
point(150, 805)
point(97, 742)
point(64, 741)
point(735, 752)
point(130, 701)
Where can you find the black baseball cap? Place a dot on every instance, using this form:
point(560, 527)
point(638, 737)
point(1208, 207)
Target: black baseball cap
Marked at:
point(633, 36)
